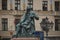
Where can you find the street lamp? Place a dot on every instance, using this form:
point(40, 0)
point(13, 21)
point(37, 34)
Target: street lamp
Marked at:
point(46, 25)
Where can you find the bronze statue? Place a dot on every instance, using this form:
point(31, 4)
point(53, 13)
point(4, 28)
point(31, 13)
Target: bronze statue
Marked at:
point(26, 26)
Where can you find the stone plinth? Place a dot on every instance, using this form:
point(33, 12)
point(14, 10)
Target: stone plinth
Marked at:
point(26, 38)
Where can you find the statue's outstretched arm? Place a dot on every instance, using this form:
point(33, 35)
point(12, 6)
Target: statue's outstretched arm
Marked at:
point(36, 16)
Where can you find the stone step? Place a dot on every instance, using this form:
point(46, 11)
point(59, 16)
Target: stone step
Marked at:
point(25, 38)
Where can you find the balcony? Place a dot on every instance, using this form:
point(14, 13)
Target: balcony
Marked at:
point(50, 34)
point(53, 13)
point(21, 12)
point(7, 34)
point(12, 12)
point(57, 13)
point(53, 34)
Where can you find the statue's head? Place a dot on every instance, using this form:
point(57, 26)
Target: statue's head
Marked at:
point(29, 9)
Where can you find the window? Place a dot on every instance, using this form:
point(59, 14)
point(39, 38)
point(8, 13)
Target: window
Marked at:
point(57, 5)
point(4, 4)
point(16, 22)
point(30, 3)
point(45, 5)
point(57, 24)
point(17, 4)
point(4, 24)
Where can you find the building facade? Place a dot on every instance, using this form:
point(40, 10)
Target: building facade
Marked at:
point(12, 10)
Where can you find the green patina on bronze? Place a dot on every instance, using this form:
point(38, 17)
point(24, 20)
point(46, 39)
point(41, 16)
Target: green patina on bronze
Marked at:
point(26, 26)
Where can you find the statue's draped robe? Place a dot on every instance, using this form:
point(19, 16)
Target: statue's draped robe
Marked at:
point(26, 26)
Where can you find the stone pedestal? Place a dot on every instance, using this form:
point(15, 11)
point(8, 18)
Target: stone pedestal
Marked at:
point(26, 38)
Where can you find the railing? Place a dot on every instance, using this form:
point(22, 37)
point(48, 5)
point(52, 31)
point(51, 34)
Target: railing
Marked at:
point(51, 33)
point(12, 12)
point(6, 33)
point(21, 12)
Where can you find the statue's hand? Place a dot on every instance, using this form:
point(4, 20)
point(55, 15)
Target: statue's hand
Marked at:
point(37, 18)
point(18, 25)
point(31, 17)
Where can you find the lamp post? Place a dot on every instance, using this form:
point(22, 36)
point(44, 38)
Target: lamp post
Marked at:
point(46, 25)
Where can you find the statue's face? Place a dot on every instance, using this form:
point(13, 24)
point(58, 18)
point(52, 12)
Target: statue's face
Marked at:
point(28, 10)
